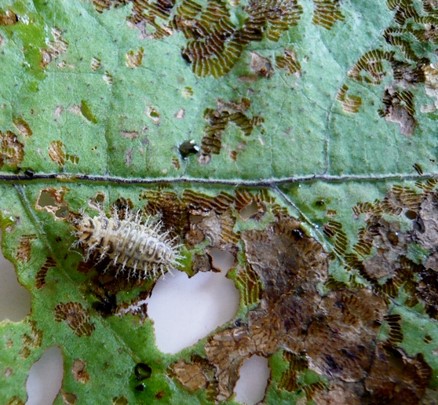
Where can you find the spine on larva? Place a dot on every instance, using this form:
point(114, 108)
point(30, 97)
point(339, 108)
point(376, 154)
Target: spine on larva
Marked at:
point(130, 243)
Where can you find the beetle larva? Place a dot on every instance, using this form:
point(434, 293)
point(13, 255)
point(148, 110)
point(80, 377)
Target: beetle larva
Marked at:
point(140, 246)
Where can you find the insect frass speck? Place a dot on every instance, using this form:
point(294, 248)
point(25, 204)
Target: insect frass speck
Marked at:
point(130, 243)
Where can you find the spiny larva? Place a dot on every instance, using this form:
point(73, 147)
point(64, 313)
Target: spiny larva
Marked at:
point(130, 243)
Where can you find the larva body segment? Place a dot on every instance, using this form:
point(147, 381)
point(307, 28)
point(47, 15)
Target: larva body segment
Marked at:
point(130, 243)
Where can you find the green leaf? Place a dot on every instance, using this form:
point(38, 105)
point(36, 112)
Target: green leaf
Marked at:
point(298, 136)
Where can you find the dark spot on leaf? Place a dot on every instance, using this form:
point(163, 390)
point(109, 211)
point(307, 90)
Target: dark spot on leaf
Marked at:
point(140, 387)
point(188, 148)
point(142, 371)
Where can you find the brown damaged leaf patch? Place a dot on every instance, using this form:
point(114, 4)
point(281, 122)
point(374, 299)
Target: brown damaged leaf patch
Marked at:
point(22, 126)
point(214, 41)
point(195, 375)
point(55, 48)
point(282, 273)
point(427, 291)
point(426, 225)
point(76, 317)
point(289, 266)
point(289, 62)
point(327, 13)
point(52, 200)
point(399, 108)
point(79, 371)
point(24, 248)
point(8, 17)
point(392, 246)
point(11, 150)
point(15, 401)
point(31, 340)
point(40, 278)
point(381, 254)
point(402, 63)
point(340, 341)
point(218, 119)
point(396, 378)
point(350, 103)
point(260, 65)
point(334, 335)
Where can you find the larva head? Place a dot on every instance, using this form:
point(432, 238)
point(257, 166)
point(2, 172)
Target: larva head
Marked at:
point(85, 229)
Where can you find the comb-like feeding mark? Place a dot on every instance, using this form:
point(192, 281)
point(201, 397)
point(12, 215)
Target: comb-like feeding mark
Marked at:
point(103, 5)
point(393, 37)
point(270, 18)
point(218, 120)
point(404, 10)
point(288, 61)
point(211, 48)
point(250, 286)
point(219, 203)
point(153, 14)
point(365, 243)
point(327, 13)
point(333, 230)
point(40, 278)
point(399, 108)
point(395, 332)
point(58, 155)
point(55, 48)
point(427, 186)
point(408, 55)
point(95, 64)
point(401, 198)
point(171, 210)
point(369, 68)
point(76, 317)
point(350, 104)
point(214, 42)
point(364, 208)
point(24, 248)
point(134, 58)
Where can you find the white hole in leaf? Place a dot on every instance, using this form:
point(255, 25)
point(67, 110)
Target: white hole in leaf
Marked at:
point(45, 378)
point(14, 298)
point(253, 379)
point(185, 310)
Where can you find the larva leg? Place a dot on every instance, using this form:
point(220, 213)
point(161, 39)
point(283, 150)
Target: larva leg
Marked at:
point(103, 253)
point(134, 268)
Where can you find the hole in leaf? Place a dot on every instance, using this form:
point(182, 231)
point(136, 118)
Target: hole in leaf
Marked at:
point(142, 371)
point(251, 386)
point(185, 310)
point(45, 378)
point(221, 259)
point(14, 298)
